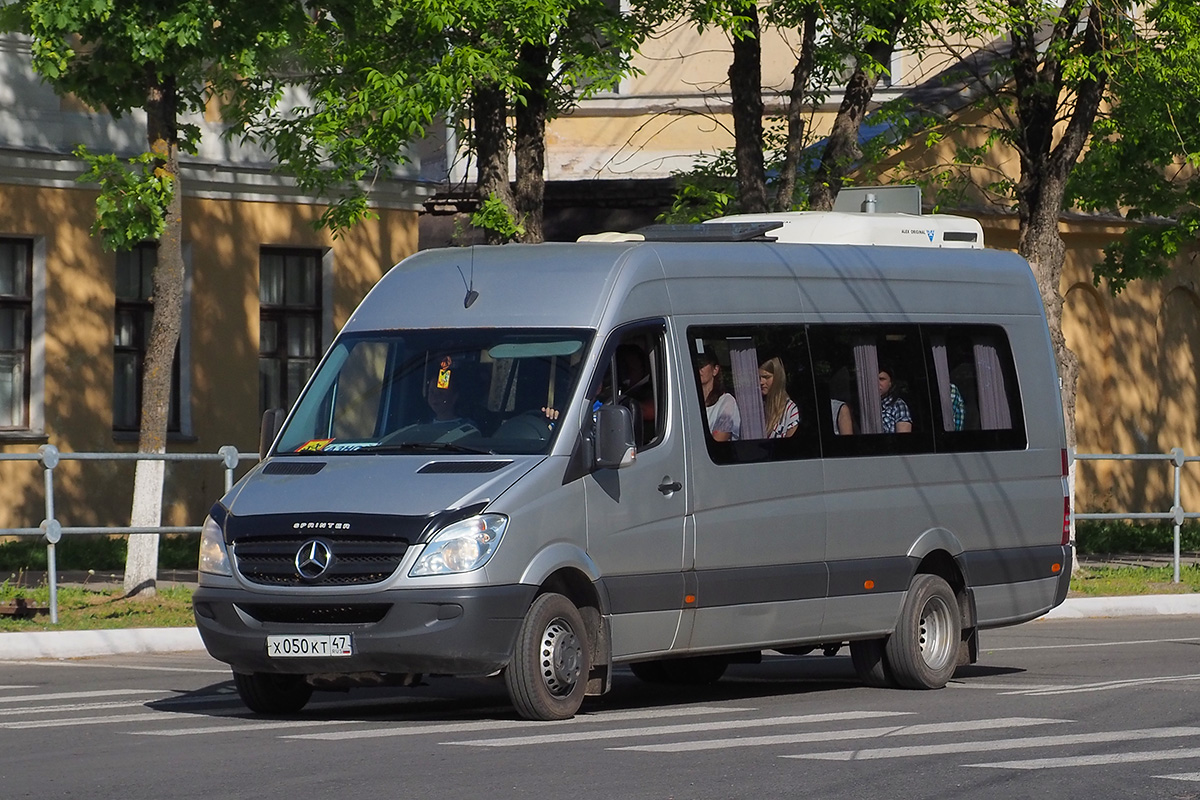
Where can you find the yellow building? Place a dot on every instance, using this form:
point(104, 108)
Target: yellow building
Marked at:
point(265, 293)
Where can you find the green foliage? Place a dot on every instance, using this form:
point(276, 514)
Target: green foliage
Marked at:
point(378, 75)
point(1105, 537)
point(99, 553)
point(134, 195)
point(493, 215)
point(1144, 157)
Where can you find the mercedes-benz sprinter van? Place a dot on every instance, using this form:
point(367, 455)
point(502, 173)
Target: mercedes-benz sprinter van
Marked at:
point(667, 452)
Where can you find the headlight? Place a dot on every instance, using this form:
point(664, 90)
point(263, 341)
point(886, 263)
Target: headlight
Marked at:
point(461, 547)
point(213, 558)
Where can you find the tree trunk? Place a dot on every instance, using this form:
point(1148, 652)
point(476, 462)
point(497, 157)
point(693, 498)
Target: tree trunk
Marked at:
point(745, 88)
point(797, 95)
point(841, 148)
point(491, 147)
point(141, 566)
point(531, 142)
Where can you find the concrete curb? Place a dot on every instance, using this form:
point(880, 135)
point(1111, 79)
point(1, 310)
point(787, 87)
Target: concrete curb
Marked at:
point(82, 644)
point(1133, 606)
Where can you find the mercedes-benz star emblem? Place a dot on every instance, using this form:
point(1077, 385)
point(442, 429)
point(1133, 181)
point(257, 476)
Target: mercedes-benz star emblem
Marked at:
point(313, 559)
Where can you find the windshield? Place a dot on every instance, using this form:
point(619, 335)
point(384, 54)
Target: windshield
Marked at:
point(458, 391)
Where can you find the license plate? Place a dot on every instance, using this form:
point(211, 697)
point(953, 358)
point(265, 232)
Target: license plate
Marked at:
point(310, 646)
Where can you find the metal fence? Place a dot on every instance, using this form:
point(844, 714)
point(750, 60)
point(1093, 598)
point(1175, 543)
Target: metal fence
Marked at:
point(1176, 515)
point(49, 457)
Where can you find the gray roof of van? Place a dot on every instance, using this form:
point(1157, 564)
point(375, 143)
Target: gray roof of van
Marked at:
point(582, 284)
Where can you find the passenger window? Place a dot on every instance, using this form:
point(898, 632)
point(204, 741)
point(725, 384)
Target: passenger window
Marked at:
point(872, 380)
point(755, 392)
point(637, 360)
point(975, 388)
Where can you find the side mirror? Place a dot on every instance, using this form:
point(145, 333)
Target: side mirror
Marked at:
point(272, 421)
point(615, 445)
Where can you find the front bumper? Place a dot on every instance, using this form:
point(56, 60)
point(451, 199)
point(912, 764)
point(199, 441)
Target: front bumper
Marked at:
point(453, 631)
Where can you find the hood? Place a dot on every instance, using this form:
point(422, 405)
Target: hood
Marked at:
point(397, 485)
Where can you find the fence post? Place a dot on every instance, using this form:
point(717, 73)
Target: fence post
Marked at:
point(230, 454)
point(1177, 459)
point(48, 455)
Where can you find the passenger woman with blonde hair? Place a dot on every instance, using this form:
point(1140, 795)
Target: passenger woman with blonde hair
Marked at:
point(783, 417)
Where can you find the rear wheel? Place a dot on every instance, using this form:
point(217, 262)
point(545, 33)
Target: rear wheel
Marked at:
point(267, 693)
point(923, 651)
point(547, 677)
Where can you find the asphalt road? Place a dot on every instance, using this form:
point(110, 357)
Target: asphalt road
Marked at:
point(1095, 708)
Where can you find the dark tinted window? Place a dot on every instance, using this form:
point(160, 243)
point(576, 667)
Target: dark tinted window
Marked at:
point(755, 391)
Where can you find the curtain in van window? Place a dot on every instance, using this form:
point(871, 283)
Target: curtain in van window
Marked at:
point(941, 367)
point(743, 363)
point(866, 362)
point(993, 400)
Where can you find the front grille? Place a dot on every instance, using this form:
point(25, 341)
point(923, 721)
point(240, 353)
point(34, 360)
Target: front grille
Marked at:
point(271, 561)
point(284, 613)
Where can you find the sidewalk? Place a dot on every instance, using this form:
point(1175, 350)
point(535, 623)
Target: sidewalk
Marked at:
point(83, 644)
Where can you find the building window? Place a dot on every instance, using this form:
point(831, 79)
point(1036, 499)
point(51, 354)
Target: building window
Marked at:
point(16, 313)
point(289, 338)
point(134, 310)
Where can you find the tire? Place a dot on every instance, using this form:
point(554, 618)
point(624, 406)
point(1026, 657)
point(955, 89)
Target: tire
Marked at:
point(547, 677)
point(267, 693)
point(870, 663)
point(691, 671)
point(923, 651)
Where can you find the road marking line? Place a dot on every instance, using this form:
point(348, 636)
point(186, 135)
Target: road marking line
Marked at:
point(79, 695)
point(1097, 760)
point(1000, 744)
point(247, 726)
point(482, 725)
point(1102, 686)
point(839, 735)
point(63, 723)
point(664, 730)
point(95, 665)
point(1088, 644)
point(1182, 776)
point(166, 705)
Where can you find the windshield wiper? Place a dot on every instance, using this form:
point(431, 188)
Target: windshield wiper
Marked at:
point(426, 447)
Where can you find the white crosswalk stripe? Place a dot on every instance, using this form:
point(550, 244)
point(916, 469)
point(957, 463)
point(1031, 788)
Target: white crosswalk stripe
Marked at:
point(464, 727)
point(1194, 777)
point(842, 735)
point(1039, 742)
point(667, 730)
point(1094, 760)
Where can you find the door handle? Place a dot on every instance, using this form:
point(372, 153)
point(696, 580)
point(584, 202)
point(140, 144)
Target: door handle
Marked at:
point(669, 486)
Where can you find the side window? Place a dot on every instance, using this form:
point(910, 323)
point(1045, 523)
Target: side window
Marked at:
point(637, 359)
point(975, 388)
point(873, 381)
point(754, 389)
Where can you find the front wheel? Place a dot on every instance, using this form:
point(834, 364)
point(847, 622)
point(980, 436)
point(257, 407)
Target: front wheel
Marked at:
point(266, 693)
point(547, 677)
point(923, 651)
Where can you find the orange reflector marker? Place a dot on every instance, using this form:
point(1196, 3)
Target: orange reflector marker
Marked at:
point(868, 584)
point(688, 599)
point(1056, 568)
